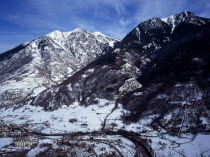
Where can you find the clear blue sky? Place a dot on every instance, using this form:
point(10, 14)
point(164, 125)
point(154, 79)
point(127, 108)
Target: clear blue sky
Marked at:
point(25, 20)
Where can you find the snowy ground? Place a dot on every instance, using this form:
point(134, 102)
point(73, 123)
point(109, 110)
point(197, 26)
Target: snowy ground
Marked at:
point(99, 144)
point(35, 151)
point(5, 141)
point(88, 118)
point(91, 118)
point(188, 146)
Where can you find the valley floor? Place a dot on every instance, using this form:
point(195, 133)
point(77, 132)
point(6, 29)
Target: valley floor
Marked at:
point(97, 129)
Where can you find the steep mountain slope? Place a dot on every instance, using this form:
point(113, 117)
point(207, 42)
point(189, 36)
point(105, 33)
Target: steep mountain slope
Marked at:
point(176, 81)
point(35, 66)
point(159, 70)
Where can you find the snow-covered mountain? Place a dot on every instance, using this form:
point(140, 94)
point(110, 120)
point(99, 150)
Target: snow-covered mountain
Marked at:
point(111, 74)
point(154, 70)
point(184, 17)
point(37, 65)
point(155, 83)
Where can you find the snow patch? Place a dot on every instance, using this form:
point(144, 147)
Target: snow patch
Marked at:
point(138, 34)
point(5, 141)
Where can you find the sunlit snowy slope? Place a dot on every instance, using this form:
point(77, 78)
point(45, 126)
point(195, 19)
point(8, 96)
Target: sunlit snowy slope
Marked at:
point(37, 65)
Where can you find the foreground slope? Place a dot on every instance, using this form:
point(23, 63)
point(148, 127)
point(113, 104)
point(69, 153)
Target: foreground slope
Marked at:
point(33, 67)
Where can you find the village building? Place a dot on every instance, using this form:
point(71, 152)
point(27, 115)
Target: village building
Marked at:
point(25, 143)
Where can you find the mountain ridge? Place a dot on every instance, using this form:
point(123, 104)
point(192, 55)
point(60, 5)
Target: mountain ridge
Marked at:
point(44, 60)
point(139, 63)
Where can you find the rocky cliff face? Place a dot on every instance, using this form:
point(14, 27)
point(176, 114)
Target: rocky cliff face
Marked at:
point(33, 67)
point(160, 68)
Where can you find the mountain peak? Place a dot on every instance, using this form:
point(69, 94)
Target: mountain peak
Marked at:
point(187, 16)
point(184, 13)
point(78, 30)
point(55, 34)
point(98, 33)
point(59, 34)
point(180, 15)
